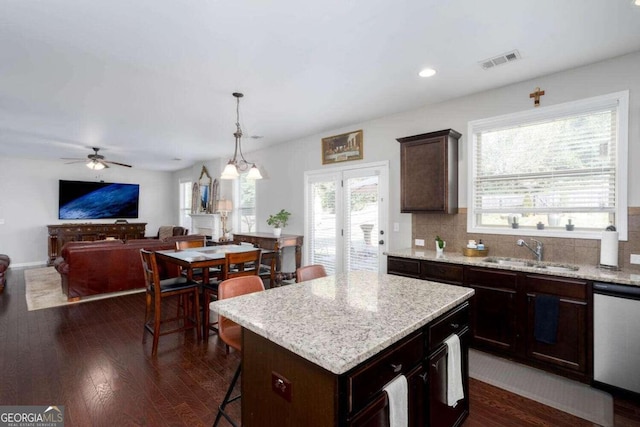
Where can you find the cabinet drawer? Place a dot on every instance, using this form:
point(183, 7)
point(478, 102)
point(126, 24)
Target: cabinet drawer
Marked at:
point(491, 278)
point(439, 271)
point(567, 288)
point(404, 267)
point(370, 378)
point(451, 323)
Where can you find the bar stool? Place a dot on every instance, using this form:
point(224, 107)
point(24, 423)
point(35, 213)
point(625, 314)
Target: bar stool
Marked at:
point(310, 272)
point(231, 333)
point(157, 290)
point(236, 264)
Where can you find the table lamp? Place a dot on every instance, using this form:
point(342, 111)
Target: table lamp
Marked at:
point(223, 207)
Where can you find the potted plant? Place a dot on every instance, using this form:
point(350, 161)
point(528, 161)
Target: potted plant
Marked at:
point(440, 245)
point(278, 221)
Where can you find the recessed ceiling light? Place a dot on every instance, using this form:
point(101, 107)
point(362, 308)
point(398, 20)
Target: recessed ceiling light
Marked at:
point(637, 2)
point(428, 72)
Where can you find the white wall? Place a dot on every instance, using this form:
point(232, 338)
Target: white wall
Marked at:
point(29, 202)
point(284, 165)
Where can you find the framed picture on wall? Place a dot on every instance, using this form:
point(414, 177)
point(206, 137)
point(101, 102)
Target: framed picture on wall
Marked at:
point(342, 148)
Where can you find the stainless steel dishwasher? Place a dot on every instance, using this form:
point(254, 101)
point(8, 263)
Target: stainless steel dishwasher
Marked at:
point(616, 336)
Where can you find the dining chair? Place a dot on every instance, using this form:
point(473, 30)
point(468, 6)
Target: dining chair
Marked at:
point(158, 290)
point(231, 333)
point(309, 272)
point(268, 266)
point(236, 264)
point(196, 274)
point(181, 245)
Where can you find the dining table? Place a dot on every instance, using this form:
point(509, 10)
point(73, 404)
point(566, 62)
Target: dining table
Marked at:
point(200, 258)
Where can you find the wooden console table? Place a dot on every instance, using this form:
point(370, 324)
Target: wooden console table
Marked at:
point(270, 242)
point(59, 234)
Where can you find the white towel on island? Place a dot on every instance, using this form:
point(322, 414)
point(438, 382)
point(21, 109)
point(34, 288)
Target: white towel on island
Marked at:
point(397, 390)
point(455, 392)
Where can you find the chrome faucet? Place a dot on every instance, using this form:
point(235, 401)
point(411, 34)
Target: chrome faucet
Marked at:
point(537, 251)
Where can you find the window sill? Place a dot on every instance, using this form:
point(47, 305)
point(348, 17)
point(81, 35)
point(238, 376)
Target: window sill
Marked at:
point(534, 232)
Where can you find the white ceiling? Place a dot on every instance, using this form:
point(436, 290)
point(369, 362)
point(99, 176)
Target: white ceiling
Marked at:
point(150, 81)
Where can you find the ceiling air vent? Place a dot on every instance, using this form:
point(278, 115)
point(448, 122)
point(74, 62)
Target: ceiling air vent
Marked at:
point(499, 60)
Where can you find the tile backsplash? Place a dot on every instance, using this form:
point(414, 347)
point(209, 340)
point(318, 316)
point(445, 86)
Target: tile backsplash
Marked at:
point(453, 229)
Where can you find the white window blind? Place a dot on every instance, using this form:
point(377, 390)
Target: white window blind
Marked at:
point(361, 224)
point(322, 231)
point(186, 193)
point(550, 168)
point(247, 205)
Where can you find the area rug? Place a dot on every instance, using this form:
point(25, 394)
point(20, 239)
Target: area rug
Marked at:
point(43, 290)
point(558, 392)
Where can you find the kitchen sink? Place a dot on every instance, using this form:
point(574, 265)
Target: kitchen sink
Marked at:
point(558, 268)
point(510, 262)
point(546, 266)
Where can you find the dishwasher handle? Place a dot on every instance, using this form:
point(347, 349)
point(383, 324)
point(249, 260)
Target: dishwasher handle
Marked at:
point(615, 290)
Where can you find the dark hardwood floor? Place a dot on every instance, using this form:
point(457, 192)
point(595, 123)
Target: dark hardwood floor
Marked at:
point(90, 358)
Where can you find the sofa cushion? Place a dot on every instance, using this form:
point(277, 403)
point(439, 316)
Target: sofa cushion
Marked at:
point(165, 231)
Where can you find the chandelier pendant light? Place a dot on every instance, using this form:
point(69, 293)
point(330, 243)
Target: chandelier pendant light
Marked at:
point(235, 166)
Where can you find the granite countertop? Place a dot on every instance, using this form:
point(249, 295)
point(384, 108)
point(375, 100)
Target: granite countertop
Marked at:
point(339, 321)
point(584, 271)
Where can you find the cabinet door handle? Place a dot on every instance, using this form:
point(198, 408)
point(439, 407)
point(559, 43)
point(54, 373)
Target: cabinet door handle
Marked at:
point(424, 377)
point(396, 368)
point(455, 325)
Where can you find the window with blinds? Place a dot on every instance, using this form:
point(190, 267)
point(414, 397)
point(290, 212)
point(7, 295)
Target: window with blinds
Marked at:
point(321, 211)
point(247, 203)
point(186, 193)
point(558, 170)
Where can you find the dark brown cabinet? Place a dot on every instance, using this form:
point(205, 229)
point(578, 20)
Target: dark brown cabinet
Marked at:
point(503, 313)
point(376, 414)
point(59, 234)
point(493, 309)
point(429, 172)
point(426, 270)
point(568, 351)
point(442, 272)
point(427, 382)
point(405, 267)
point(440, 413)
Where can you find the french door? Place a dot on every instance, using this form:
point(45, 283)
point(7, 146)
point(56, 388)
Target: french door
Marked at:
point(346, 212)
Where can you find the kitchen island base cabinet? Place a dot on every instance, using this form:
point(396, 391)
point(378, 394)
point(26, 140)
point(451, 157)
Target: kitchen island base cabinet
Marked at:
point(440, 413)
point(313, 390)
point(280, 388)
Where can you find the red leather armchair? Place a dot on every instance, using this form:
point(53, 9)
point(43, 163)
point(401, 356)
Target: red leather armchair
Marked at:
point(4, 265)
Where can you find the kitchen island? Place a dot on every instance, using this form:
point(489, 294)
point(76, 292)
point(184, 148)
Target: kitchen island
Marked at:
point(320, 352)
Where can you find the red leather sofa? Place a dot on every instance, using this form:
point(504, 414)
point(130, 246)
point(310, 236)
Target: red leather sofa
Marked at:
point(91, 268)
point(4, 265)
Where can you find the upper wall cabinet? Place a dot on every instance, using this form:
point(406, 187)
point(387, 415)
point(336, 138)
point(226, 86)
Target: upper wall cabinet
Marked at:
point(429, 172)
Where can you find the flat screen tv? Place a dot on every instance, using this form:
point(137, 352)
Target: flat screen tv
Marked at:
point(97, 200)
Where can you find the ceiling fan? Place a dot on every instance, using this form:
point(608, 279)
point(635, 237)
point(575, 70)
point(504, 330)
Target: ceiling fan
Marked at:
point(96, 161)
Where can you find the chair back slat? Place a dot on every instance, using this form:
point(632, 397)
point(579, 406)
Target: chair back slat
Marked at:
point(186, 244)
point(238, 264)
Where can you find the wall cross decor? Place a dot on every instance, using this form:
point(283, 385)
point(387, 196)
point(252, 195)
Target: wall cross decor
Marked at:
point(536, 96)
